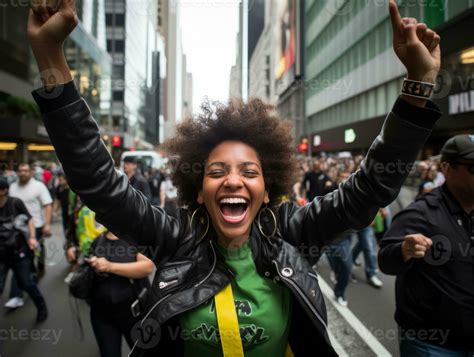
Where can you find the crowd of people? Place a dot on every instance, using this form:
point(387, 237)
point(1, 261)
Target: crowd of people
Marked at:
point(321, 175)
point(30, 195)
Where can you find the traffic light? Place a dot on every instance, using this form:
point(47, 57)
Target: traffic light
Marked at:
point(117, 141)
point(303, 146)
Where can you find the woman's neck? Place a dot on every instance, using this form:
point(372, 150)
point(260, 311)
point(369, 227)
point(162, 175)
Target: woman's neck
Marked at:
point(232, 243)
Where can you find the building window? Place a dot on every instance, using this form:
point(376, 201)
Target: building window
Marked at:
point(119, 46)
point(119, 19)
point(109, 45)
point(109, 18)
point(118, 71)
point(116, 121)
point(117, 96)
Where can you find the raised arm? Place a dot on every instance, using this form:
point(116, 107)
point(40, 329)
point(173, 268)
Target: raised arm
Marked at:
point(354, 204)
point(74, 133)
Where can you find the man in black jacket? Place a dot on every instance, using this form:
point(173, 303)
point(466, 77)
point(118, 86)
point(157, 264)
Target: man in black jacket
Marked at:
point(15, 250)
point(136, 178)
point(430, 247)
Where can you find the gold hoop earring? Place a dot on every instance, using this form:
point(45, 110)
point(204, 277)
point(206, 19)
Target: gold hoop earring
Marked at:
point(259, 223)
point(207, 221)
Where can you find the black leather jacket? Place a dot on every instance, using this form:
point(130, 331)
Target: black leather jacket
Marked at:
point(190, 270)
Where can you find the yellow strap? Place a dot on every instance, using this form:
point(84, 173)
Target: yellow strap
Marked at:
point(228, 323)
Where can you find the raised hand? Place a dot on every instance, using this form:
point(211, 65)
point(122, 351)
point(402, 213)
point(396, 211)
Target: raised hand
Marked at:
point(49, 24)
point(51, 21)
point(416, 46)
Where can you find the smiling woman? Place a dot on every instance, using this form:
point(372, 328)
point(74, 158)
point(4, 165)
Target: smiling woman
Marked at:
point(246, 160)
point(234, 274)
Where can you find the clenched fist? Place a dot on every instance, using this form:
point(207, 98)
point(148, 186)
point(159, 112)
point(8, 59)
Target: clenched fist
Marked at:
point(51, 21)
point(415, 246)
point(49, 24)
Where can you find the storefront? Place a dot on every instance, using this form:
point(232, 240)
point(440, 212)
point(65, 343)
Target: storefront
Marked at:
point(455, 92)
point(24, 140)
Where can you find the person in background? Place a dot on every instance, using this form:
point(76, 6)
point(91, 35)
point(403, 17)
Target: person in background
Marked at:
point(38, 201)
point(169, 196)
point(136, 179)
point(61, 199)
point(366, 243)
point(16, 250)
point(429, 248)
point(123, 274)
point(154, 181)
point(314, 182)
point(427, 184)
point(8, 172)
point(340, 260)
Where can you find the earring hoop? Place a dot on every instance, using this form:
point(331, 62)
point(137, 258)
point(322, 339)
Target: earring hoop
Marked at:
point(260, 226)
point(207, 221)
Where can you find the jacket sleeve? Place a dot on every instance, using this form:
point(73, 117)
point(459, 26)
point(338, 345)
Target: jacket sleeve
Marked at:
point(354, 204)
point(91, 174)
point(412, 220)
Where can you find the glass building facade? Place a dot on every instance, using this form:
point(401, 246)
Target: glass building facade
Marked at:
point(351, 72)
point(22, 134)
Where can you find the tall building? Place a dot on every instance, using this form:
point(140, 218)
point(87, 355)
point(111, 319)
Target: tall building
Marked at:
point(131, 41)
point(262, 55)
point(236, 72)
point(275, 62)
point(169, 15)
point(353, 76)
point(22, 134)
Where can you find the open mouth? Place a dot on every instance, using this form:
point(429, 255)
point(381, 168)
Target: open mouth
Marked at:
point(233, 209)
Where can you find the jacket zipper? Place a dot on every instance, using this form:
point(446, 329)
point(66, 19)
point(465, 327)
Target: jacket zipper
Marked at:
point(168, 295)
point(212, 268)
point(164, 284)
point(148, 314)
point(301, 294)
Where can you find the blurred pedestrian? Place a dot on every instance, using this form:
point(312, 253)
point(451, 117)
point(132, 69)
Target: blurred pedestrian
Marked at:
point(136, 179)
point(61, 200)
point(340, 260)
point(38, 201)
point(314, 182)
point(155, 179)
point(366, 244)
point(429, 248)
point(169, 196)
point(17, 243)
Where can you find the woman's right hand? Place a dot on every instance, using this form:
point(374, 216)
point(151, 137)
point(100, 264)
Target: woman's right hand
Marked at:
point(49, 23)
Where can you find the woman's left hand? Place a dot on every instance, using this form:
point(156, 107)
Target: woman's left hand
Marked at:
point(100, 265)
point(416, 46)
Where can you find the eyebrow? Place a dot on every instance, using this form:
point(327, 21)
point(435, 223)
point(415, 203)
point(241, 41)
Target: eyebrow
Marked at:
point(223, 164)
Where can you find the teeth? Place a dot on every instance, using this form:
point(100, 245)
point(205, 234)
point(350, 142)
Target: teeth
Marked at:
point(233, 200)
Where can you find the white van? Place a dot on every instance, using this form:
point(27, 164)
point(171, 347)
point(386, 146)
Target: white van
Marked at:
point(145, 159)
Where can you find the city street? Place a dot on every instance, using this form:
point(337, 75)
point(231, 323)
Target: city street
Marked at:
point(365, 328)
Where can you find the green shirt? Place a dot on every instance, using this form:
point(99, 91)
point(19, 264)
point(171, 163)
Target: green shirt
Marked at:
point(263, 310)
